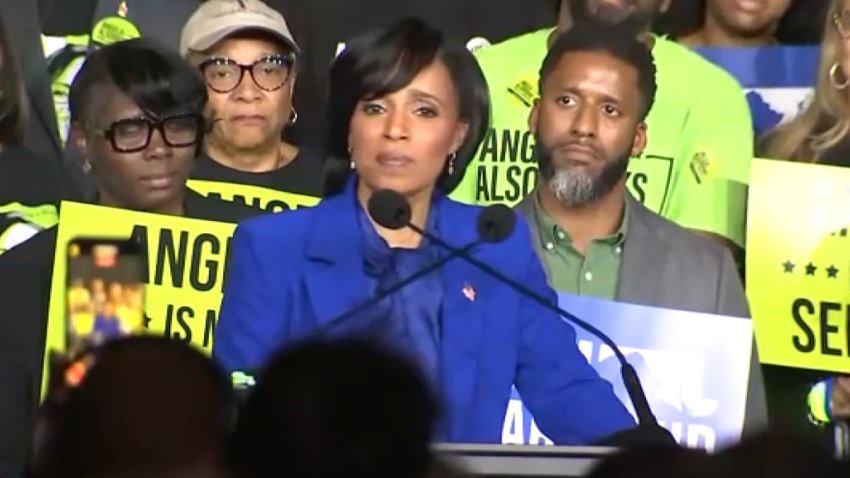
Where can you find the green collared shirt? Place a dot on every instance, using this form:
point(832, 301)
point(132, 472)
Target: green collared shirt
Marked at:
point(594, 274)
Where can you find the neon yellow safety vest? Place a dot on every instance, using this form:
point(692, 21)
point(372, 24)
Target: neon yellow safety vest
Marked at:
point(65, 57)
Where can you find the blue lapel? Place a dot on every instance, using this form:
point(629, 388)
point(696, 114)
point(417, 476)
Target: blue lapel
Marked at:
point(462, 316)
point(336, 281)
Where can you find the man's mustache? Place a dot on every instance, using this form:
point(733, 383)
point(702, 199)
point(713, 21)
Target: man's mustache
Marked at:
point(589, 146)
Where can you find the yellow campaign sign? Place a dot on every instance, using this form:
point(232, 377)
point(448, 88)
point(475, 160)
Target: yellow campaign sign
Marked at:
point(798, 264)
point(186, 259)
point(257, 197)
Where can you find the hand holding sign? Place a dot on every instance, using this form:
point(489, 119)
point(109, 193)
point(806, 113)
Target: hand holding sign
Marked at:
point(841, 397)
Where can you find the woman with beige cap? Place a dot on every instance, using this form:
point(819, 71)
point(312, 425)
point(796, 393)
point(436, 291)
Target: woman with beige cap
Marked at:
point(248, 58)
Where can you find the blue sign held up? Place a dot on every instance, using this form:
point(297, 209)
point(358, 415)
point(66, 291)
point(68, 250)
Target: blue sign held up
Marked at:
point(777, 79)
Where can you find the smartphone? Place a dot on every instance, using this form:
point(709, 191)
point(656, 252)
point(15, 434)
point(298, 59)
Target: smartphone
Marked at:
point(105, 292)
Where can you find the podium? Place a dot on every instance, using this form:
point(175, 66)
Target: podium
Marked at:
point(522, 460)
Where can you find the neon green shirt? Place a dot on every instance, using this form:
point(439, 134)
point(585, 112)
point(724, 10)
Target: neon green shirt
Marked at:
point(694, 170)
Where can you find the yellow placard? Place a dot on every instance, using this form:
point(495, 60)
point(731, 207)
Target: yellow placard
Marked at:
point(798, 264)
point(186, 259)
point(257, 197)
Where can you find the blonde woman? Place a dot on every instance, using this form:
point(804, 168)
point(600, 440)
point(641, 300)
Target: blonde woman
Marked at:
point(819, 133)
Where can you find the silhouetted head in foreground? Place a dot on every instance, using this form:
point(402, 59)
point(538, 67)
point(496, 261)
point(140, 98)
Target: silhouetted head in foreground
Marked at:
point(147, 406)
point(780, 455)
point(655, 462)
point(336, 409)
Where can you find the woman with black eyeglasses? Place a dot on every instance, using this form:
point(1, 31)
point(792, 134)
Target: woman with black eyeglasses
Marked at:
point(137, 116)
point(248, 58)
point(136, 113)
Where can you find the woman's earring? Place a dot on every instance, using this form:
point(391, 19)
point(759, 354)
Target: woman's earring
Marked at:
point(86, 165)
point(350, 158)
point(834, 71)
point(451, 168)
point(293, 117)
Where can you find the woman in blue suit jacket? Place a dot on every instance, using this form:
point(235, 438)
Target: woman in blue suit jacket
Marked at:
point(407, 112)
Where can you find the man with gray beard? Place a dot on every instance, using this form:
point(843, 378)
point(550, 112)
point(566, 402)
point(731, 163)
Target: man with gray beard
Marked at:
point(597, 84)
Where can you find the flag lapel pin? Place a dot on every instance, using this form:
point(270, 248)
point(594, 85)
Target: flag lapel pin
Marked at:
point(468, 292)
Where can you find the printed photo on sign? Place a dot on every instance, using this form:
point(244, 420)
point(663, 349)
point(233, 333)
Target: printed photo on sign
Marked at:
point(694, 369)
point(798, 264)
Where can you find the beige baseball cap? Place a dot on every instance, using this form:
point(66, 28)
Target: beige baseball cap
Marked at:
point(215, 20)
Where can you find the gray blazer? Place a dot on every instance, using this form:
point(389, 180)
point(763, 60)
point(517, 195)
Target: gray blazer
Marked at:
point(664, 265)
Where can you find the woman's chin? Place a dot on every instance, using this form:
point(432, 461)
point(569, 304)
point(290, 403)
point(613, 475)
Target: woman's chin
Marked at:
point(398, 184)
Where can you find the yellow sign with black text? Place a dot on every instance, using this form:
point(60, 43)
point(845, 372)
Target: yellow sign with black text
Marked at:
point(186, 259)
point(257, 197)
point(798, 264)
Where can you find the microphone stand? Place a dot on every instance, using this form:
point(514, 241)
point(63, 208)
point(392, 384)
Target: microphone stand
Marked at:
point(646, 419)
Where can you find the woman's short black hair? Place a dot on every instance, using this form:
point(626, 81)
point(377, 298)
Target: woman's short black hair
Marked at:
point(13, 110)
point(156, 78)
point(384, 61)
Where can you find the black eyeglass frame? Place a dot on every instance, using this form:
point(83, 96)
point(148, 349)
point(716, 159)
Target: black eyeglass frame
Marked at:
point(152, 124)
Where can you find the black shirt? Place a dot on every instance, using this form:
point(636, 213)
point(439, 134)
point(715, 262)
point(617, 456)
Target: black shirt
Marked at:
point(22, 22)
point(303, 175)
point(31, 187)
point(26, 274)
point(32, 179)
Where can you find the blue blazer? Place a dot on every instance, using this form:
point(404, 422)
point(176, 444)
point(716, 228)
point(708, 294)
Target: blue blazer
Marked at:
point(291, 273)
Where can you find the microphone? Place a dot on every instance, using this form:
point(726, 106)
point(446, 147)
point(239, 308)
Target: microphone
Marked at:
point(391, 210)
